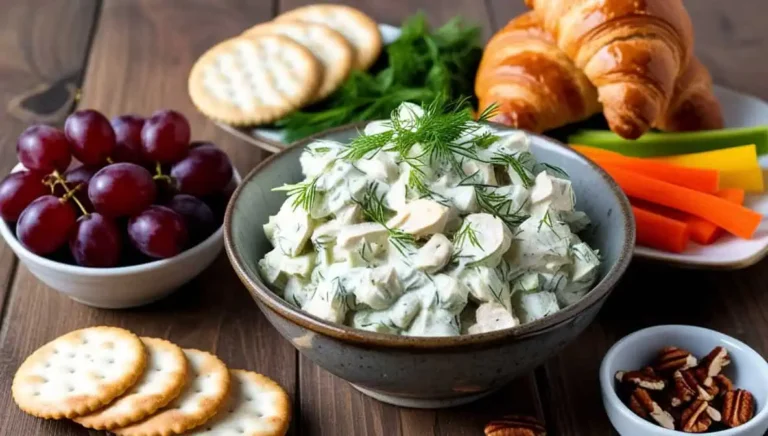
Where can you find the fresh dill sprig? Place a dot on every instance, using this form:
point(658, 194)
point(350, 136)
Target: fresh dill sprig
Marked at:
point(374, 209)
point(364, 146)
point(500, 206)
point(466, 233)
point(546, 220)
point(515, 162)
point(303, 193)
point(557, 171)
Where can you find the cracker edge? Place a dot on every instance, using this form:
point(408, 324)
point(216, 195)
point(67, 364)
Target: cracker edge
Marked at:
point(326, 88)
point(265, 115)
point(285, 400)
point(138, 415)
point(202, 418)
point(94, 403)
point(360, 62)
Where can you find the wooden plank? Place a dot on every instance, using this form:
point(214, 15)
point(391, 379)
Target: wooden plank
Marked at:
point(730, 42)
point(330, 406)
point(39, 76)
point(139, 63)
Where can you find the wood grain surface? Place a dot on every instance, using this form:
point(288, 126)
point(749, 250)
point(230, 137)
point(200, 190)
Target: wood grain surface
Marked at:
point(138, 62)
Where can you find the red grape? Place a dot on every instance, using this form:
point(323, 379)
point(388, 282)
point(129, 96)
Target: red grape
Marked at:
point(43, 149)
point(158, 232)
point(95, 241)
point(90, 136)
point(45, 224)
point(18, 190)
point(165, 136)
point(77, 176)
point(128, 136)
point(204, 171)
point(198, 217)
point(122, 189)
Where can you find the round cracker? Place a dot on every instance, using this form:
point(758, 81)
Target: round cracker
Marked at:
point(162, 381)
point(205, 391)
point(256, 406)
point(329, 47)
point(255, 80)
point(79, 372)
point(358, 28)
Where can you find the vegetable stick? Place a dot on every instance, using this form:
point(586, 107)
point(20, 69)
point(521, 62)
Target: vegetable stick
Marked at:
point(659, 232)
point(735, 219)
point(665, 144)
point(701, 231)
point(704, 180)
point(738, 166)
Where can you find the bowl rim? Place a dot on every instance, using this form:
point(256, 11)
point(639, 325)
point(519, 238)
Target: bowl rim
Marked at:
point(27, 256)
point(609, 392)
point(263, 295)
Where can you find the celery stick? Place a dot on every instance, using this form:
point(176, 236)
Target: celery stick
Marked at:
point(666, 144)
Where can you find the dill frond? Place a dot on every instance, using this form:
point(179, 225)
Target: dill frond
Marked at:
point(466, 234)
point(303, 193)
point(500, 206)
point(517, 165)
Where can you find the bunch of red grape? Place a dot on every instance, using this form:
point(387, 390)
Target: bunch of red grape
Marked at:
point(141, 181)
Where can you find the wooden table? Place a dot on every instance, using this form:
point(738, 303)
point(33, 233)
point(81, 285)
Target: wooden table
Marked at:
point(134, 56)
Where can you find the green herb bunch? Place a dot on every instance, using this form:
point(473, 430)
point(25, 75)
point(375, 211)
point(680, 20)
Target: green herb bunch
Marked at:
point(420, 66)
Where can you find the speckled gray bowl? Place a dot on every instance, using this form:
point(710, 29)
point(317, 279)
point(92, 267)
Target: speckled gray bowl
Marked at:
point(428, 372)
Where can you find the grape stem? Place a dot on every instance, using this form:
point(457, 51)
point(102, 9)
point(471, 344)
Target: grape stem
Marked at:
point(159, 174)
point(56, 178)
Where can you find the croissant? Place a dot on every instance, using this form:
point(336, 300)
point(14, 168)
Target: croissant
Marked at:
point(534, 83)
point(693, 105)
point(633, 51)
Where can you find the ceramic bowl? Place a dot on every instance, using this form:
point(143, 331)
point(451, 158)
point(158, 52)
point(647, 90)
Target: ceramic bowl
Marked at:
point(420, 371)
point(120, 287)
point(748, 370)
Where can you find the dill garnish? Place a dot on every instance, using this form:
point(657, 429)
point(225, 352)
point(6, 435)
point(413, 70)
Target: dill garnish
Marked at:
point(303, 193)
point(374, 209)
point(466, 233)
point(500, 206)
point(517, 165)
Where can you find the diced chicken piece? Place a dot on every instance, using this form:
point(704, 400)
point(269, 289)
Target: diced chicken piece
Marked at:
point(405, 309)
point(530, 306)
point(421, 218)
point(556, 193)
point(318, 156)
point(292, 228)
point(409, 113)
point(328, 302)
point(378, 287)
point(541, 244)
point(577, 220)
point(481, 172)
point(374, 321)
point(350, 236)
point(297, 291)
point(492, 316)
point(483, 240)
point(269, 267)
point(298, 265)
point(511, 144)
point(396, 196)
point(584, 273)
point(380, 167)
point(434, 322)
point(452, 294)
point(435, 254)
point(485, 285)
point(376, 127)
point(349, 214)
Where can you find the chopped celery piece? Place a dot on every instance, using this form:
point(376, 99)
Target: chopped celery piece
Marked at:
point(666, 144)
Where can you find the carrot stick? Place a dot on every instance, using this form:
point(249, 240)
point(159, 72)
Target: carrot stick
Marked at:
point(660, 232)
point(735, 219)
point(702, 231)
point(700, 179)
point(588, 151)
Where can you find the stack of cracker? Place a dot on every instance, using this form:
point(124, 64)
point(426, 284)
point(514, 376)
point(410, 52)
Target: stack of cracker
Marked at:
point(107, 378)
point(274, 68)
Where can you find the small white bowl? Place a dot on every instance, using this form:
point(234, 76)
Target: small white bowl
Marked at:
point(748, 370)
point(120, 287)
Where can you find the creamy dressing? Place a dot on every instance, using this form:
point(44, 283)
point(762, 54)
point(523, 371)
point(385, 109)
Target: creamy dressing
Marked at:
point(487, 242)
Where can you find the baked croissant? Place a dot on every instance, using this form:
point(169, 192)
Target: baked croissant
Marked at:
point(633, 51)
point(693, 106)
point(534, 83)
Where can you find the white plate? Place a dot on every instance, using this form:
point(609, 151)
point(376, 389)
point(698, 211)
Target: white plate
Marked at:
point(729, 252)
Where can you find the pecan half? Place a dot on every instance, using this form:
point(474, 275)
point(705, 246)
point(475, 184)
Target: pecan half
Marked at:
point(714, 362)
point(671, 359)
point(515, 425)
point(644, 378)
point(723, 383)
point(643, 405)
point(738, 407)
point(697, 418)
point(685, 388)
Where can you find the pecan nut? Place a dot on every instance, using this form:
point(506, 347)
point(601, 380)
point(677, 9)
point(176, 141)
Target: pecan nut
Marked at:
point(671, 359)
point(698, 417)
point(685, 388)
point(738, 407)
point(723, 383)
point(645, 378)
point(714, 363)
point(643, 405)
point(515, 425)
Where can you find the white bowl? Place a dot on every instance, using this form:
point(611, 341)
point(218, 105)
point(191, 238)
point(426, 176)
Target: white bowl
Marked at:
point(748, 370)
point(120, 287)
